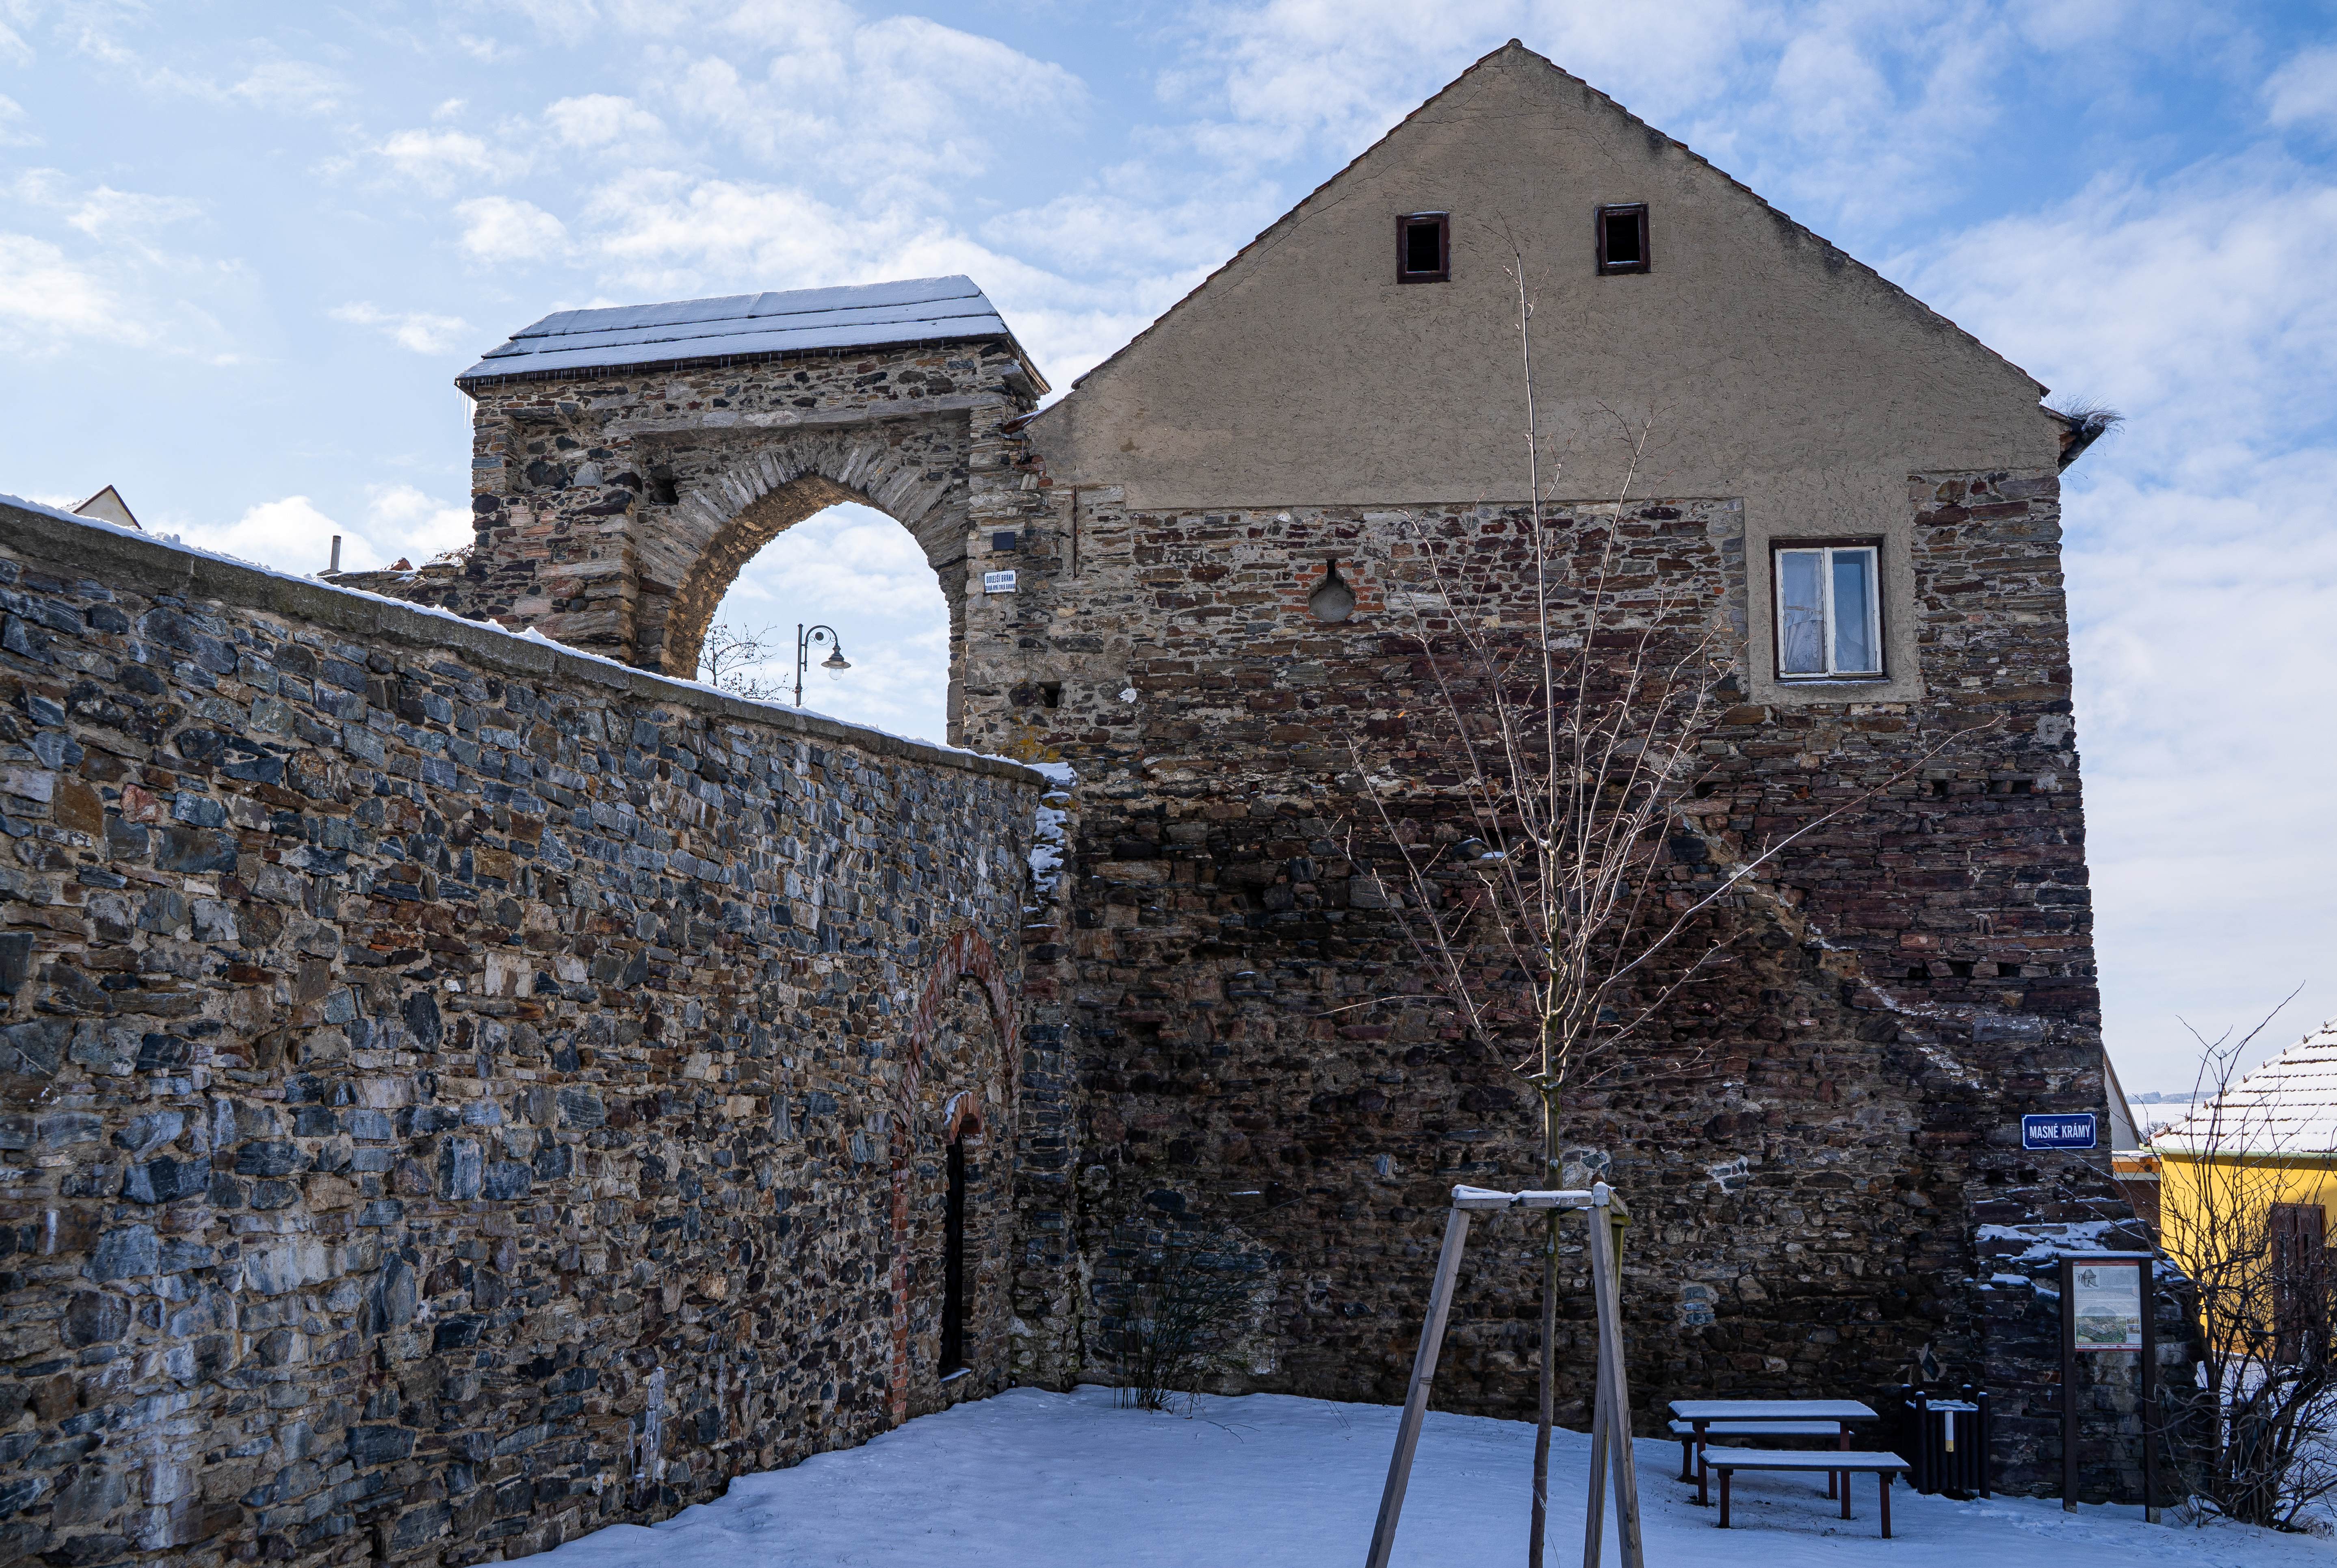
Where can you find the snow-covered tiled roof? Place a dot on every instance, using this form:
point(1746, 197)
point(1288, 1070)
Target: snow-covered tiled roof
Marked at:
point(2286, 1106)
point(859, 316)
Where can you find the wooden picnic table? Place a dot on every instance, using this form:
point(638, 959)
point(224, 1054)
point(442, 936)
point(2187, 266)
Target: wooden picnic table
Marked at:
point(1704, 1415)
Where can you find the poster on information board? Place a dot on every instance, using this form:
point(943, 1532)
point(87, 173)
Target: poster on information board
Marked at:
point(2107, 1301)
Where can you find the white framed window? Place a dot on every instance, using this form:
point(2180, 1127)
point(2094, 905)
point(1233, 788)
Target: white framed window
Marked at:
point(1829, 597)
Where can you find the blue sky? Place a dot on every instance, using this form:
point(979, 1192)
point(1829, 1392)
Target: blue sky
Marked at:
point(244, 249)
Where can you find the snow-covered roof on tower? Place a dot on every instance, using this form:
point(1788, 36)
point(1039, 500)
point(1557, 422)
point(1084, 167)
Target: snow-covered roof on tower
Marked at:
point(788, 321)
point(2288, 1106)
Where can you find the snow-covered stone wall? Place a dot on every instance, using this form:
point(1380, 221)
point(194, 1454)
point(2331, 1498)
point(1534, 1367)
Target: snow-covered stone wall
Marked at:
point(455, 1093)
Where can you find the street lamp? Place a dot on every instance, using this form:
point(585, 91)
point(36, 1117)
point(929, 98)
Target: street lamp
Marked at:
point(833, 663)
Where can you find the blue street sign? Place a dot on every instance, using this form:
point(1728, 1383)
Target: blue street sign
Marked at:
point(2070, 1130)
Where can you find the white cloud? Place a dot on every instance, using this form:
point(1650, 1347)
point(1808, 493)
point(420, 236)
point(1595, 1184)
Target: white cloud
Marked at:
point(500, 228)
point(101, 212)
point(290, 86)
point(105, 213)
point(655, 226)
point(47, 300)
point(104, 278)
point(15, 125)
point(1129, 224)
point(797, 81)
point(442, 160)
point(101, 31)
point(401, 520)
point(292, 534)
point(598, 119)
point(2199, 299)
point(2304, 90)
point(658, 234)
point(422, 332)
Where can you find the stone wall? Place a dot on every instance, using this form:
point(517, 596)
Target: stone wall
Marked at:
point(1810, 1206)
point(453, 1093)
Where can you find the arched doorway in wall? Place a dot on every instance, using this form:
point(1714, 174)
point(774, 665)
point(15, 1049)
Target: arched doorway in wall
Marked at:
point(854, 571)
point(953, 1193)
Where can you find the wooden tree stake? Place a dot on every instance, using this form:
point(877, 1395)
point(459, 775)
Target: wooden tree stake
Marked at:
point(1611, 1419)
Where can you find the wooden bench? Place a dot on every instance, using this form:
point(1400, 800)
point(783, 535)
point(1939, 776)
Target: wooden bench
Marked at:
point(1731, 1415)
point(1844, 1462)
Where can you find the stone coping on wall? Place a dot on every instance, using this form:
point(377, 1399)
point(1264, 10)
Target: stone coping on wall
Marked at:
point(118, 558)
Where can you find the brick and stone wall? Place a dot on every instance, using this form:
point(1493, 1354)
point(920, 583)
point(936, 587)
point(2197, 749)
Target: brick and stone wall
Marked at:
point(453, 1093)
point(1809, 1203)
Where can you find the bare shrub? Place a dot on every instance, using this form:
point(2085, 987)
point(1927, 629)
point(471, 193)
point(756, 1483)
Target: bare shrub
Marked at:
point(1194, 1300)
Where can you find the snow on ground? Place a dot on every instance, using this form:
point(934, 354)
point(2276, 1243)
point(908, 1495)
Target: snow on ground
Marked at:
point(1037, 1480)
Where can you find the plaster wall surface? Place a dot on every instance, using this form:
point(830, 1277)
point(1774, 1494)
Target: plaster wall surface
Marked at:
point(453, 1093)
point(1760, 361)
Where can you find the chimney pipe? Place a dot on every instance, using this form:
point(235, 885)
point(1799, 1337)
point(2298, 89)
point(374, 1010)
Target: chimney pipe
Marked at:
point(336, 555)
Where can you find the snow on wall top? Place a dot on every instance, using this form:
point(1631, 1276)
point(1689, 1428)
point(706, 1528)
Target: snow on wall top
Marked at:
point(858, 315)
point(2286, 1106)
point(491, 629)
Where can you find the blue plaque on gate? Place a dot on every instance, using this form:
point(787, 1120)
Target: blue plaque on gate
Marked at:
point(2068, 1130)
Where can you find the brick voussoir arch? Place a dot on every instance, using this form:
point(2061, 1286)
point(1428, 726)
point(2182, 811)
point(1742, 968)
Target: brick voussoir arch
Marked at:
point(964, 955)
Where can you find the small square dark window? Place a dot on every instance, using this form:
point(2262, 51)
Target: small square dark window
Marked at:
point(1005, 542)
point(1424, 247)
point(1623, 239)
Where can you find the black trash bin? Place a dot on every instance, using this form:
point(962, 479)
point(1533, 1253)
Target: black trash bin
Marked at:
point(1945, 1441)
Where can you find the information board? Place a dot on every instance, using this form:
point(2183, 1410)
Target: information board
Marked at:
point(2107, 1298)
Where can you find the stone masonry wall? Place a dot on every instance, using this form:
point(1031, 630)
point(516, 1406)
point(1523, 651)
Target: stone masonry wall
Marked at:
point(1810, 1209)
point(454, 1094)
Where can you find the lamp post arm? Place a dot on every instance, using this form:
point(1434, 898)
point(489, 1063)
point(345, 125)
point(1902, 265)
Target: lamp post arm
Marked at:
point(805, 637)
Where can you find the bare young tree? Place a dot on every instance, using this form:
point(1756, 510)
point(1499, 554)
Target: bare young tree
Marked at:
point(731, 652)
point(2254, 1439)
point(1567, 881)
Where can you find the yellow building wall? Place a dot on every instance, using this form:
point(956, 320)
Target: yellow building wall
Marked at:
point(2236, 1191)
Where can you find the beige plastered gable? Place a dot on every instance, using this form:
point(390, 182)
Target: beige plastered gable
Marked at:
point(1764, 364)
